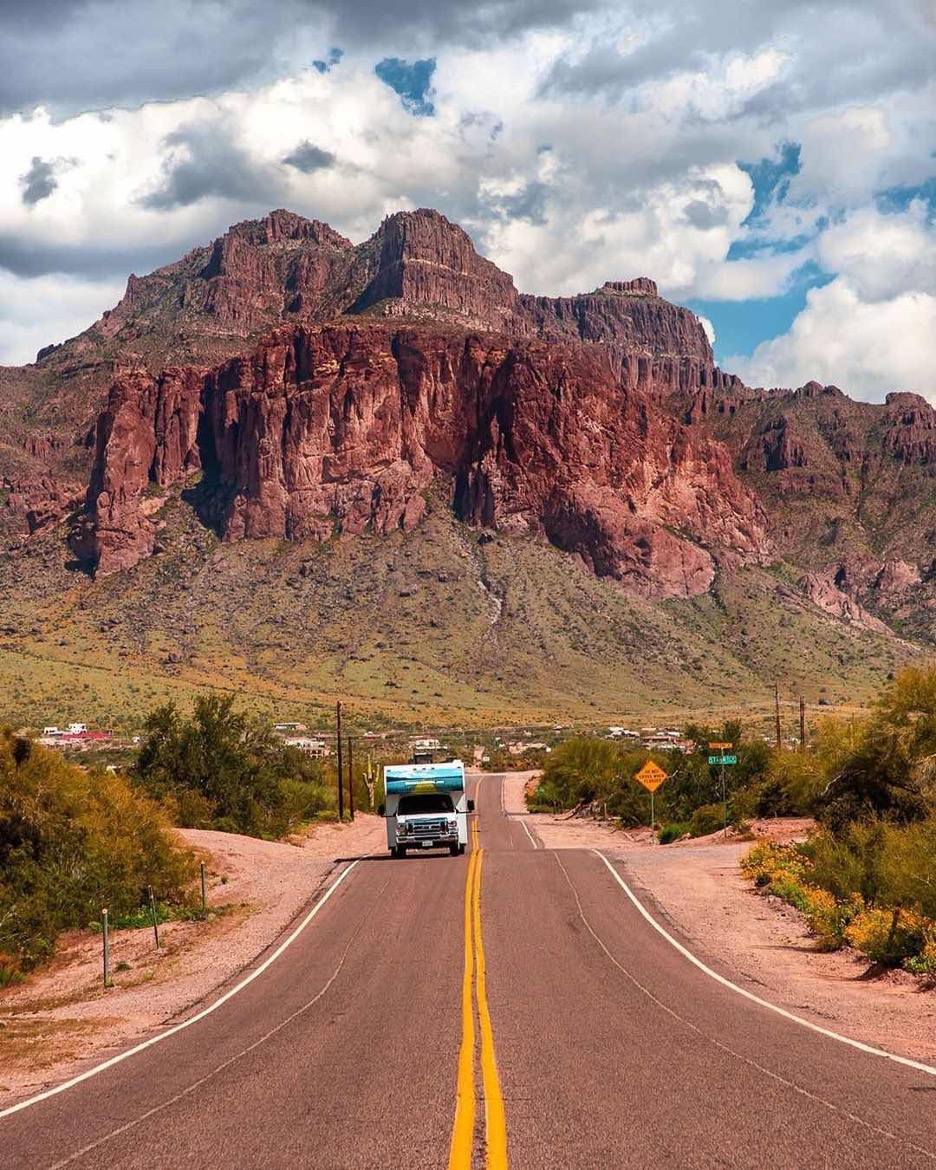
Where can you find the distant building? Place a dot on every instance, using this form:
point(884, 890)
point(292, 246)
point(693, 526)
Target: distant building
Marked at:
point(316, 748)
point(426, 745)
point(289, 727)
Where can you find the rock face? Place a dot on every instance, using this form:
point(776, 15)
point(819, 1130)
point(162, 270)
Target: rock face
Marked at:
point(340, 428)
point(421, 263)
point(850, 489)
point(218, 300)
point(823, 591)
point(320, 386)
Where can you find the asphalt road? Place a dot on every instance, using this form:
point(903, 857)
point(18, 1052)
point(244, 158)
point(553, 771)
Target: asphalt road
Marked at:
point(605, 1046)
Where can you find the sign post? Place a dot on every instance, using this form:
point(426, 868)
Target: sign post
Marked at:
point(651, 776)
point(721, 760)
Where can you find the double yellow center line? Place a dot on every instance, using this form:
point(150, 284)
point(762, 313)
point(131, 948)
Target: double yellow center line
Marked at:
point(473, 984)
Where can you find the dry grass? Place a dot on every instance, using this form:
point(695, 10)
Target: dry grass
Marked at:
point(445, 625)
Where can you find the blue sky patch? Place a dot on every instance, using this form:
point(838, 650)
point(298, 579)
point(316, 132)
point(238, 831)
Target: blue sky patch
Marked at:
point(771, 178)
point(900, 198)
point(411, 80)
point(751, 246)
point(334, 56)
point(740, 326)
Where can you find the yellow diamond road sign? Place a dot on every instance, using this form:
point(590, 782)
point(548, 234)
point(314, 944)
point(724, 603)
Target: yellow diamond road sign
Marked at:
point(651, 776)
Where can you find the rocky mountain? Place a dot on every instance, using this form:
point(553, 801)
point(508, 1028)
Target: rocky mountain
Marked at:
point(283, 383)
point(341, 428)
point(850, 490)
point(220, 299)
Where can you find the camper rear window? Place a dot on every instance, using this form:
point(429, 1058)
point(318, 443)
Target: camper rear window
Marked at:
point(425, 802)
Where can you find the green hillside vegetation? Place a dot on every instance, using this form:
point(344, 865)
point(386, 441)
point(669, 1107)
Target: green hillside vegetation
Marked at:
point(72, 842)
point(445, 625)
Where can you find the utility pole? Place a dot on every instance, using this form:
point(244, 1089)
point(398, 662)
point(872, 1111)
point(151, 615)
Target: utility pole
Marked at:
point(340, 773)
point(802, 724)
point(777, 697)
point(350, 778)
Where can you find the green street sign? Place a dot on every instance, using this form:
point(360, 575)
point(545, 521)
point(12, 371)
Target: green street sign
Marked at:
point(723, 760)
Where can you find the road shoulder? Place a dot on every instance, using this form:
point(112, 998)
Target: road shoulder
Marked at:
point(760, 943)
point(61, 1018)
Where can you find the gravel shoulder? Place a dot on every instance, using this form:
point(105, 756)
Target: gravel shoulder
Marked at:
point(759, 942)
point(61, 1016)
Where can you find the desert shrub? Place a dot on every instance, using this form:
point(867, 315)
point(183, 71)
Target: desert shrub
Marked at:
point(791, 785)
point(907, 866)
point(925, 962)
point(673, 832)
point(840, 887)
point(887, 936)
point(71, 842)
point(708, 818)
point(302, 802)
point(789, 890)
point(886, 864)
point(847, 864)
point(877, 782)
point(888, 771)
point(224, 771)
point(827, 918)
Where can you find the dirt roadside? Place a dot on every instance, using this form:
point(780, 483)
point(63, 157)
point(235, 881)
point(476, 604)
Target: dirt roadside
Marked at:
point(760, 943)
point(61, 1015)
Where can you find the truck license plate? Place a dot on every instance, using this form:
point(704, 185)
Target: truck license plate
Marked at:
point(427, 844)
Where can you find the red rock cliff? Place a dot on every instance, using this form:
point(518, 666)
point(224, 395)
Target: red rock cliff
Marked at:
point(325, 429)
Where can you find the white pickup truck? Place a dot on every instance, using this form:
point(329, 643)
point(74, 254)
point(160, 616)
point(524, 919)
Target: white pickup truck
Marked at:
point(426, 807)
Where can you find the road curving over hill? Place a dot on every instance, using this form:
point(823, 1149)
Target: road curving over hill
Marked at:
point(591, 1041)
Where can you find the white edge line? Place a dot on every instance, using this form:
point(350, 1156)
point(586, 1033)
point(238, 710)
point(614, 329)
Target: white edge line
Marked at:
point(687, 954)
point(99, 1068)
point(528, 833)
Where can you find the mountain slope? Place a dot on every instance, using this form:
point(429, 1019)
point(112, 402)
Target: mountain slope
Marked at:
point(304, 468)
point(447, 623)
point(850, 491)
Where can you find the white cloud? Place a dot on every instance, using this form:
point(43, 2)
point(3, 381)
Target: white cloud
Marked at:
point(582, 150)
point(850, 153)
point(69, 306)
point(883, 255)
point(866, 348)
point(708, 327)
point(873, 328)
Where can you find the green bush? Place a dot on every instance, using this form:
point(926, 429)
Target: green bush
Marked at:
point(886, 864)
point(72, 842)
point(221, 770)
point(673, 832)
point(791, 891)
point(709, 818)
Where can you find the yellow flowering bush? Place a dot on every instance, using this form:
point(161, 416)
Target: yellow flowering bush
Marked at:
point(827, 918)
point(768, 863)
point(887, 936)
point(884, 935)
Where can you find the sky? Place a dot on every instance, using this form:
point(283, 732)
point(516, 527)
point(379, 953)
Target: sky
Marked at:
point(770, 163)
